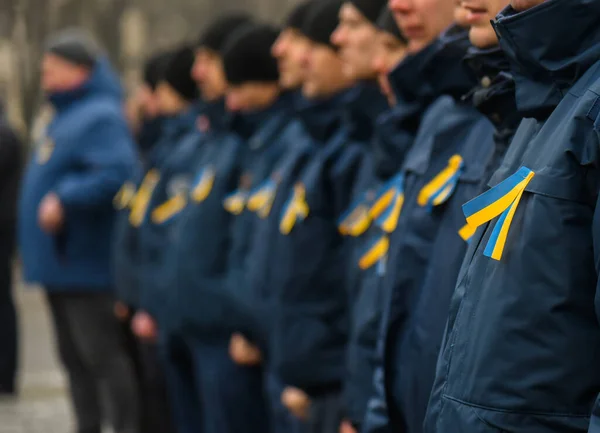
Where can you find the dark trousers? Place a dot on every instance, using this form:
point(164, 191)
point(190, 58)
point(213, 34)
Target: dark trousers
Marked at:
point(155, 409)
point(325, 415)
point(93, 350)
point(8, 318)
point(212, 394)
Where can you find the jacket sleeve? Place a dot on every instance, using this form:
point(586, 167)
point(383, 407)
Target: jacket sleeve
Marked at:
point(594, 426)
point(105, 160)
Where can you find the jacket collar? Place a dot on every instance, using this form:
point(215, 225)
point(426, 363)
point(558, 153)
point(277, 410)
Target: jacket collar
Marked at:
point(550, 47)
point(436, 70)
point(248, 123)
point(363, 104)
point(394, 135)
point(495, 95)
point(181, 122)
point(321, 117)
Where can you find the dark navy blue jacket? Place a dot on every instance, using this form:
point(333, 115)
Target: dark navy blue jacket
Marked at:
point(84, 157)
point(257, 297)
point(395, 131)
point(126, 246)
point(424, 330)
point(199, 240)
point(523, 342)
point(215, 312)
point(310, 334)
point(444, 165)
point(158, 222)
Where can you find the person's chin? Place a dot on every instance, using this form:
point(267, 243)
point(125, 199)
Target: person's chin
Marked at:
point(483, 37)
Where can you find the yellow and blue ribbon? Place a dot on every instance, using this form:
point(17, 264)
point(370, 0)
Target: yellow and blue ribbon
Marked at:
point(139, 203)
point(261, 199)
point(169, 209)
point(502, 200)
point(375, 253)
point(386, 195)
point(388, 220)
point(356, 220)
point(203, 184)
point(235, 203)
point(296, 209)
point(467, 232)
point(441, 187)
point(125, 196)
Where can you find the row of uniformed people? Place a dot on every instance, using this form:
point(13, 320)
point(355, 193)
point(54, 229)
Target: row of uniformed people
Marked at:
point(301, 241)
point(309, 314)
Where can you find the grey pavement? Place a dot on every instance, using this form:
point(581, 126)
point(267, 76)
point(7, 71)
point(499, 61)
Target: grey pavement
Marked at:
point(42, 406)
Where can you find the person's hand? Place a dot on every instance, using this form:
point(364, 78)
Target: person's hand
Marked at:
point(51, 213)
point(347, 427)
point(243, 352)
point(144, 326)
point(296, 401)
point(121, 311)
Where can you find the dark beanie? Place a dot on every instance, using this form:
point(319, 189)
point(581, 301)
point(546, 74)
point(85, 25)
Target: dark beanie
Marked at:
point(75, 46)
point(154, 68)
point(247, 55)
point(387, 23)
point(296, 18)
point(371, 9)
point(178, 73)
point(321, 21)
point(216, 34)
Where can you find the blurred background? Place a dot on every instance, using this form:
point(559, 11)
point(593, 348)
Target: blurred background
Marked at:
point(128, 29)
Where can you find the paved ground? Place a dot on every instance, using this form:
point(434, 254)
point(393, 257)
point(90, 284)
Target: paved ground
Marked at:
point(42, 407)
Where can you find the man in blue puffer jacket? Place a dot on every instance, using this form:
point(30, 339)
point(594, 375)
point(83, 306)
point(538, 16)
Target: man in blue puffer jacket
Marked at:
point(65, 224)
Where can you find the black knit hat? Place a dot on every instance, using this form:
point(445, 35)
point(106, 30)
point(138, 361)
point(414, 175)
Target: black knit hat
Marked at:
point(154, 69)
point(296, 18)
point(321, 21)
point(216, 34)
point(371, 9)
point(178, 73)
point(75, 46)
point(247, 55)
point(387, 23)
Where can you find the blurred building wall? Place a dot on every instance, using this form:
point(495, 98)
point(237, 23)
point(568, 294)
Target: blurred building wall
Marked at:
point(128, 29)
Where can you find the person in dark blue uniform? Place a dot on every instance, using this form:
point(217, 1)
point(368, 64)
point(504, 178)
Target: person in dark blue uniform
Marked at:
point(205, 133)
point(211, 287)
point(520, 349)
point(313, 368)
point(250, 345)
point(443, 169)
point(494, 97)
point(360, 44)
point(66, 219)
point(155, 211)
point(176, 95)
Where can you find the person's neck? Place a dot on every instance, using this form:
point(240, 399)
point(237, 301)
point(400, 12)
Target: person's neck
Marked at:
point(265, 98)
